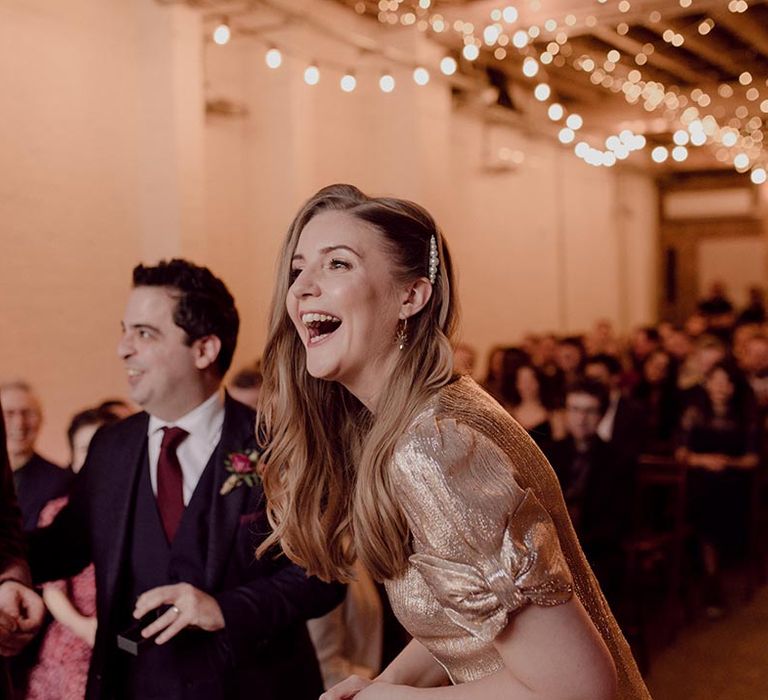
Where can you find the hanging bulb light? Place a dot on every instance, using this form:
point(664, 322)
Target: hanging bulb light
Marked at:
point(730, 138)
point(574, 122)
point(555, 111)
point(530, 67)
point(566, 135)
point(222, 33)
point(348, 82)
point(420, 76)
point(741, 161)
point(448, 65)
point(470, 52)
point(273, 58)
point(386, 83)
point(312, 75)
point(542, 92)
point(581, 149)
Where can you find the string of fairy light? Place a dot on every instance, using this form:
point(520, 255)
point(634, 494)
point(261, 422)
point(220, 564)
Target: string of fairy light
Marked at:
point(274, 58)
point(736, 137)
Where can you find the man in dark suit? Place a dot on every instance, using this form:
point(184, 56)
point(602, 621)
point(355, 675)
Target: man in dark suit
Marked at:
point(623, 426)
point(21, 609)
point(597, 482)
point(168, 541)
point(37, 480)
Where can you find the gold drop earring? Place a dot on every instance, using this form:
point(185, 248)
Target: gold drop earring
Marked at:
point(402, 334)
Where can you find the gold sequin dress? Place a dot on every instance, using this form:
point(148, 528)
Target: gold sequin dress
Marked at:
point(490, 534)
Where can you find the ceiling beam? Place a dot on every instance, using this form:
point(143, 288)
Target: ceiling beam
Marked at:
point(746, 29)
point(631, 47)
point(589, 46)
point(606, 14)
point(565, 81)
point(709, 49)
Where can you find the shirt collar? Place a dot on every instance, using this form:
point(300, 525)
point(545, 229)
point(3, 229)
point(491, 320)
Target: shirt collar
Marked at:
point(204, 420)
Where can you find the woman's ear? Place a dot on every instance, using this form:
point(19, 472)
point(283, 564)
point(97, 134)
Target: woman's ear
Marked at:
point(417, 295)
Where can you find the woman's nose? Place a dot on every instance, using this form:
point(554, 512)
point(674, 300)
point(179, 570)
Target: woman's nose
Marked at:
point(305, 284)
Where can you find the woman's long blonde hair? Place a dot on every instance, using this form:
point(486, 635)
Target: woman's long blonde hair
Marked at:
point(329, 491)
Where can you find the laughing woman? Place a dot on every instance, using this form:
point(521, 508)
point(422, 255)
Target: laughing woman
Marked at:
point(379, 452)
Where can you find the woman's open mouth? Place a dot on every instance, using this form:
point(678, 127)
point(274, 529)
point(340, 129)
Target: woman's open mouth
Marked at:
point(320, 326)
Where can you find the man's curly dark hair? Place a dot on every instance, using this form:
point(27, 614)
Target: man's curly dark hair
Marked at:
point(204, 305)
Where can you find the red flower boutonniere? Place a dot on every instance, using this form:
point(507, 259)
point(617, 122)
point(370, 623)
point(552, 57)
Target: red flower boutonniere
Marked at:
point(243, 468)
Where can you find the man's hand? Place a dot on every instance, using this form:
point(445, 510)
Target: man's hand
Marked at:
point(190, 607)
point(21, 614)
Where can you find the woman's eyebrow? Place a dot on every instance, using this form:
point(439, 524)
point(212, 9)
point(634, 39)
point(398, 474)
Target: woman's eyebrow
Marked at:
point(329, 249)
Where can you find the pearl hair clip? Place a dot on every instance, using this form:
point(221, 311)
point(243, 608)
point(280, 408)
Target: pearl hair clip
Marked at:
point(434, 260)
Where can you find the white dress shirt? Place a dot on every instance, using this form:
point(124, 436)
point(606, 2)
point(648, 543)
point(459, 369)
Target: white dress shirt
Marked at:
point(204, 425)
point(605, 429)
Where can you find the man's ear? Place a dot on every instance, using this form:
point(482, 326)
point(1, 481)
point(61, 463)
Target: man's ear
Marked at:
point(206, 350)
point(417, 295)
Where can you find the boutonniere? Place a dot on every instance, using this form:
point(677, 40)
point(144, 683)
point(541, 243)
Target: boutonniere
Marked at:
point(243, 468)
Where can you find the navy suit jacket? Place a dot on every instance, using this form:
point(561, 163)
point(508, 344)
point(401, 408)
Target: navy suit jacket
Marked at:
point(264, 652)
point(38, 482)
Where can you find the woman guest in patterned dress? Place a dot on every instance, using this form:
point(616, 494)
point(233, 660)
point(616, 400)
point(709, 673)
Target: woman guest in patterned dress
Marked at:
point(379, 452)
point(65, 653)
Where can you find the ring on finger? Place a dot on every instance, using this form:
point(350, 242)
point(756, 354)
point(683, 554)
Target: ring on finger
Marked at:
point(175, 610)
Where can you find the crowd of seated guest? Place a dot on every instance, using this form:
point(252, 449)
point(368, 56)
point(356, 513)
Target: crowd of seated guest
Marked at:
point(694, 393)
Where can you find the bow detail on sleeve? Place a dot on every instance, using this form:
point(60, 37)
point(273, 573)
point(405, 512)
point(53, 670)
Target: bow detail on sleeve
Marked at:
point(529, 568)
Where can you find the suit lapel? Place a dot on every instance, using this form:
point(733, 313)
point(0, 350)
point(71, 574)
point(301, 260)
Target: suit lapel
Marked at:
point(124, 469)
point(236, 436)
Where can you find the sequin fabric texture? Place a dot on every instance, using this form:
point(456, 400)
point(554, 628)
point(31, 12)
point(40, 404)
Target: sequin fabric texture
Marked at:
point(490, 535)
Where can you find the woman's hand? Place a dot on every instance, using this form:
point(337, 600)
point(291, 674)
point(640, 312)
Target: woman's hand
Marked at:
point(363, 689)
point(711, 462)
point(379, 690)
point(348, 688)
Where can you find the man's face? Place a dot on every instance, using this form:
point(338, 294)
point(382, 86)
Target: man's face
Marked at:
point(568, 357)
point(23, 418)
point(582, 415)
point(756, 356)
point(599, 372)
point(164, 374)
point(656, 367)
point(642, 345)
point(678, 344)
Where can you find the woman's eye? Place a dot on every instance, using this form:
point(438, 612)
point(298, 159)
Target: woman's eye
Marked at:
point(295, 272)
point(340, 265)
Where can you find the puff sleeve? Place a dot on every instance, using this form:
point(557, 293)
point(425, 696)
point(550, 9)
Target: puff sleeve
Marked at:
point(484, 546)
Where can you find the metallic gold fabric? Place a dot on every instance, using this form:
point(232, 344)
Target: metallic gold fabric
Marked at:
point(490, 535)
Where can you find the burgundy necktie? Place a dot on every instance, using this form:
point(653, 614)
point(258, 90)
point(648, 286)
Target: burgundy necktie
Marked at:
point(170, 484)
